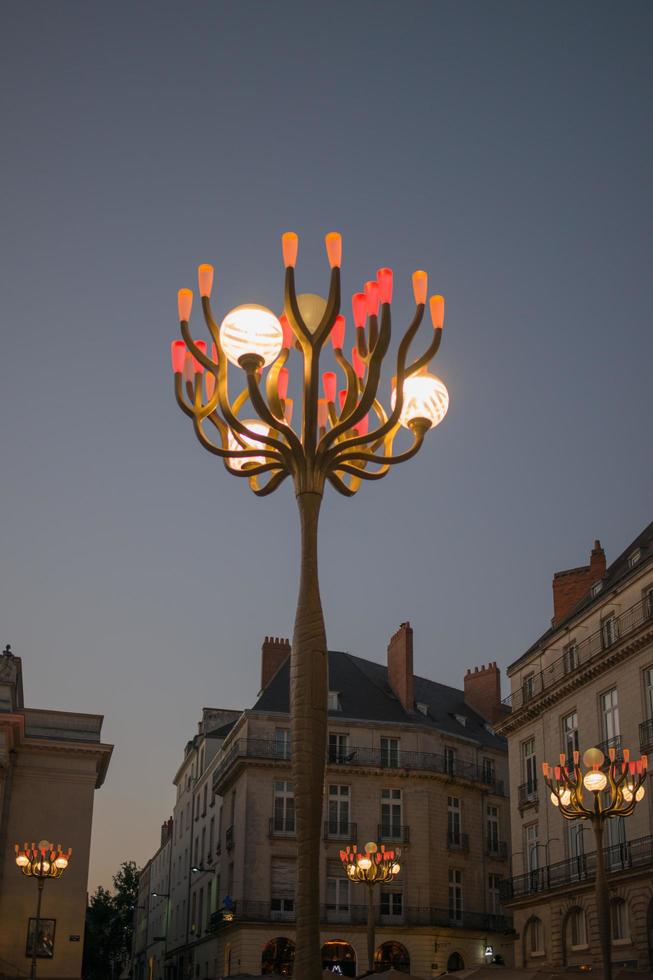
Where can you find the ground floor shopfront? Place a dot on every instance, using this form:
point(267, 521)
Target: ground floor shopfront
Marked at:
point(268, 948)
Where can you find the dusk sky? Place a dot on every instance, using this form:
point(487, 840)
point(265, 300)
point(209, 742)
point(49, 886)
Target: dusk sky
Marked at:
point(506, 147)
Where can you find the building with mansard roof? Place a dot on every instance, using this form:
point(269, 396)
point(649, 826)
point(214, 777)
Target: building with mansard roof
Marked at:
point(588, 680)
point(411, 763)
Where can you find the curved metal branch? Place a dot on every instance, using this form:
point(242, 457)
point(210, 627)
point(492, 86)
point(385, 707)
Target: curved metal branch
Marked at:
point(269, 487)
point(223, 453)
point(291, 309)
point(340, 485)
point(266, 415)
point(331, 311)
point(428, 354)
point(272, 383)
point(418, 439)
point(179, 395)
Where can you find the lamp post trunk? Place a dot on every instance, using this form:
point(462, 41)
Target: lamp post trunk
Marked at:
point(308, 699)
point(370, 928)
point(37, 927)
point(602, 902)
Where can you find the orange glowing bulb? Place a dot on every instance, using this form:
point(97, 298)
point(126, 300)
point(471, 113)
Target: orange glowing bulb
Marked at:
point(436, 306)
point(420, 286)
point(184, 303)
point(205, 279)
point(289, 244)
point(333, 243)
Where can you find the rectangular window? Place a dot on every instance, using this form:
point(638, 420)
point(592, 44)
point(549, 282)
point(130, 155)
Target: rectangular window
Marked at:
point(648, 691)
point(282, 743)
point(489, 771)
point(205, 791)
point(449, 760)
point(609, 632)
point(610, 715)
point(391, 813)
point(193, 910)
point(338, 747)
point(570, 657)
point(529, 766)
point(570, 735)
point(494, 896)
point(211, 836)
point(203, 849)
point(196, 855)
point(283, 818)
point(578, 929)
point(390, 752)
point(338, 823)
point(531, 847)
point(648, 605)
point(528, 687)
point(453, 821)
point(392, 904)
point(200, 912)
point(492, 829)
point(282, 891)
point(455, 895)
point(337, 894)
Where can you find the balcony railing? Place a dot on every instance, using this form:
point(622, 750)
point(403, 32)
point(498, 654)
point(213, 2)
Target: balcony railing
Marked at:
point(457, 842)
point(527, 793)
point(281, 828)
point(361, 756)
point(229, 838)
point(392, 833)
point(646, 735)
point(620, 857)
point(497, 849)
point(250, 911)
point(337, 830)
point(627, 623)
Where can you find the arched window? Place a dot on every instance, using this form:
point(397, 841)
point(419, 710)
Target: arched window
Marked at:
point(455, 962)
point(278, 957)
point(339, 957)
point(619, 919)
point(535, 936)
point(392, 955)
point(577, 929)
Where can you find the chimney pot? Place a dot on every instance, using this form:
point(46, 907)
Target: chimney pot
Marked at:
point(400, 666)
point(483, 691)
point(274, 652)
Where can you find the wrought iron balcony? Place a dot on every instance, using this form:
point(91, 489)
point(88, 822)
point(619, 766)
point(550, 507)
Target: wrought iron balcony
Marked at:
point(527, 793)
point(229, 838)
point(646, 735)
point(595, 645)
point(612, 743)
point(281, 828)
point(250, 911)
point(457, 842)
point(337, 830)
point(359, 757)
point(497, 849)
point(392, 833)
point(620, 857)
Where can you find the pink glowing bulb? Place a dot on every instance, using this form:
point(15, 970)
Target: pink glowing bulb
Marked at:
point(384, 279)
point(359, 306)
point(338, 333)
point(283, 383)
point(329, 383)
point(288, 335)
point(197, 367)
point(178, 352)
point(373, 297)
point(358, 363)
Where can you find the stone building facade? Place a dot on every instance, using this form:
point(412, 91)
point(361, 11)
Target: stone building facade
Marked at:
point(411, 763)
point(587, 681)
point(51, 763)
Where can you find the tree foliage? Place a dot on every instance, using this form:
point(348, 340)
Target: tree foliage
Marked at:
point(109, 925)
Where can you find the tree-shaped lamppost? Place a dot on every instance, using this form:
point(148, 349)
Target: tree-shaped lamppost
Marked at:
point(335, 443)
point(374, 866)
point(41, 861)
point(613, 793)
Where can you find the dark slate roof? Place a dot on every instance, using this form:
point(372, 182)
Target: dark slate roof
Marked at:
point(222, 731)
point(615, 574)
point(366, 695)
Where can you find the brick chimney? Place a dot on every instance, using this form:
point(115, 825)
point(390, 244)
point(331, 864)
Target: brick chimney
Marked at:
point(572, 585)
point(483, 691)
point(166, 831)
point(400, 665)
point(274, 652)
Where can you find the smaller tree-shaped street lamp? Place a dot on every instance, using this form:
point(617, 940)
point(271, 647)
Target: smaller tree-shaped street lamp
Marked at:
point(376, 866)
point(41, 861)
point(614, 790)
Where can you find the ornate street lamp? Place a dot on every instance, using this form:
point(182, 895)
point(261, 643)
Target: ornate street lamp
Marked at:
point(335, 443)
point(614, 792)
point(373, 867)
point(41, 861)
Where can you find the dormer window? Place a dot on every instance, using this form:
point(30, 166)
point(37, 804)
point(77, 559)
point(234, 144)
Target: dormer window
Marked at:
point(596, 588)
point(634, 557)
point(461, 719)
point(334, 701)
point(423, 708)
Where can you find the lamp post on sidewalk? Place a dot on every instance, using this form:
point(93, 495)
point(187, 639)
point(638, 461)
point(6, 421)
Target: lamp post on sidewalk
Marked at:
point(372, 867)
point(614, 792)
point(41, 861)
point(344, 438)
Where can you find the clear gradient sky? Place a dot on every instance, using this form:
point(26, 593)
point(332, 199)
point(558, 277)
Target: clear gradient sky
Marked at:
point(506, 147)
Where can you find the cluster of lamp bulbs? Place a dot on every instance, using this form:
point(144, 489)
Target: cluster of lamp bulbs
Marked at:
point(251, 329)
point(42, 860)
point(373, 857)
point(594, 779)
